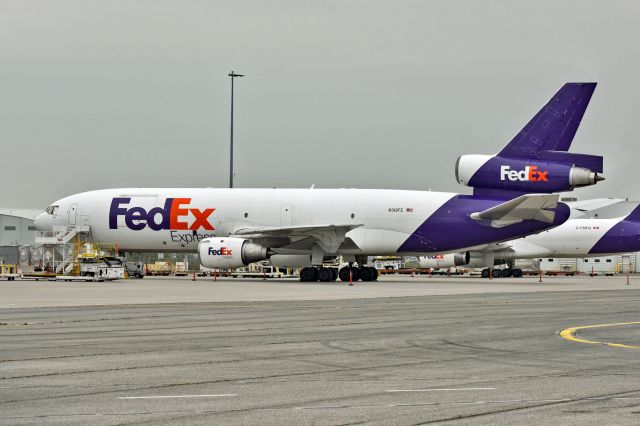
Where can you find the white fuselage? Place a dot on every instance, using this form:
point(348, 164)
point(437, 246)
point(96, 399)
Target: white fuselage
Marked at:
point(387, 217)
point(575, 237)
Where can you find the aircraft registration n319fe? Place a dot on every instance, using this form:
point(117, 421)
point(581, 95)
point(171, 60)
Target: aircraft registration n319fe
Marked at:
point(513, 196)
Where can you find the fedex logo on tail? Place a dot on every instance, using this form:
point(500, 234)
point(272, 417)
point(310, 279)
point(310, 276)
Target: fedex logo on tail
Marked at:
point(173, 216)
point(529, 174)
point(222, 251)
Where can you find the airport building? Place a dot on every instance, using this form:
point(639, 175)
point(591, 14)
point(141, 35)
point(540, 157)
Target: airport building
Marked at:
point(603, 265)
point(17, 233)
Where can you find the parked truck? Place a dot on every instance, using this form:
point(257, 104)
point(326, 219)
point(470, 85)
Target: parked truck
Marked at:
point(159, 268)
point(135, 269)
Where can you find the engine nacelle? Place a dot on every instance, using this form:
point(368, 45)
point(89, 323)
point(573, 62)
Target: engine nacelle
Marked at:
point(230, 252)
point(531, 176)
point(488, 259)
point(444, 260)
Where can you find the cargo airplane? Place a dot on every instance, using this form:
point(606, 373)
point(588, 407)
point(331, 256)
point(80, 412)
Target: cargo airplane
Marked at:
point(513, 196)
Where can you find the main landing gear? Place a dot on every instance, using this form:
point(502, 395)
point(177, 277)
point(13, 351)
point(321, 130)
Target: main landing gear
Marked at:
point(313, 274)
point(364, 273)
point(502, 273)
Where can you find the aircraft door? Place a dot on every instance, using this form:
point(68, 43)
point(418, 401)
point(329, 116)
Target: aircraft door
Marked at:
point(285, 216)
point(73, 210)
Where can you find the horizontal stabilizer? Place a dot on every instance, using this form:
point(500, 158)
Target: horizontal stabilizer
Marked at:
point(526, 207)
point(593, 204)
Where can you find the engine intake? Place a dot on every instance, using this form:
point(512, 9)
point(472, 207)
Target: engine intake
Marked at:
point(230, 252)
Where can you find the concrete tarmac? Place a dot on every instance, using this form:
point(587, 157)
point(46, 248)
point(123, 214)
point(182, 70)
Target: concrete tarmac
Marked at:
point(23, 294)
point(487, 356)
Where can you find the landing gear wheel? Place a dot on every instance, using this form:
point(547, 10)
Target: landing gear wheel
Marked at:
point(334, 274)
point(497, 273)
point(485, 273)
point(324, 275)
point(517, 273)
point(344, 273)
point(308, 274)
point(506, 273)
point(355, 272)
point(375, 274)
point(366, 274)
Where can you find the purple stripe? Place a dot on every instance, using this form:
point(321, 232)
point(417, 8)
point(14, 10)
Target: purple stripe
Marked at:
point(450, 228)
point(623, 237)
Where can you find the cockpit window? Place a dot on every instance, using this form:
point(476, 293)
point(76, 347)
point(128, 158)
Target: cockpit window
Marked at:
point(52, 210)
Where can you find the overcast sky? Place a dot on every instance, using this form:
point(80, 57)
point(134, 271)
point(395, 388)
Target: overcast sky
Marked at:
point(98, 94)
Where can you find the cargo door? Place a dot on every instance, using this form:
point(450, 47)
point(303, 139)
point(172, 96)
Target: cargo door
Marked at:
point(73, 210)
point(285, 216)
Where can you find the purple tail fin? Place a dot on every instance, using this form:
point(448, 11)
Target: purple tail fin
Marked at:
point(634, 215)
point(554, 126)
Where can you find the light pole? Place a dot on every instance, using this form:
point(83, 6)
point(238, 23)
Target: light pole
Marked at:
point(233, 75)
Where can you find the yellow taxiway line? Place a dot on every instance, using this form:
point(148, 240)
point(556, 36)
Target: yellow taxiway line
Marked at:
point(570, 334)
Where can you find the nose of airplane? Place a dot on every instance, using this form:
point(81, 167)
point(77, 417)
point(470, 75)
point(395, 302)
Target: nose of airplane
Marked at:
point(43, 222)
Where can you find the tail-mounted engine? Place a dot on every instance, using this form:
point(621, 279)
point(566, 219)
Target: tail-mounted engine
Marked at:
point(551, 172)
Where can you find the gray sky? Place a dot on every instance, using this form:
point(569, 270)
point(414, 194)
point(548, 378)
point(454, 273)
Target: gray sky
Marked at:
point(97, 94)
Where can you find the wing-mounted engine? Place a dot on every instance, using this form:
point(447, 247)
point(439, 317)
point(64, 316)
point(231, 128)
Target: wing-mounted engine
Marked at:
point(230, 252)
point(448, 260)
point(469, 259)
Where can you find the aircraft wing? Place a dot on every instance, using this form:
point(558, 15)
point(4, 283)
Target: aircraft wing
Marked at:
point(525, 207)
point(328, 236)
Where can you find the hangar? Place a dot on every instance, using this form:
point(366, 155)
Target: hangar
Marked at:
point(17, 233)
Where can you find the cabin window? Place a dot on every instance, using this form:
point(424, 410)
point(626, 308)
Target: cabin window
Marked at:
point(246, 215)
point(586, 261)
point(597, 260)
point(31, 228)
point(549, 260)
point(9, 228)
point(353, 215)
point(608, 260)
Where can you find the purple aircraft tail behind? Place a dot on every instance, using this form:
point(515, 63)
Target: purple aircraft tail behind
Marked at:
point(536, 159)
point(624, 236)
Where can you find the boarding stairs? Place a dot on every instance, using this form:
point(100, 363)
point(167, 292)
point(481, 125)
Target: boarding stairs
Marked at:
point(61, 234)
